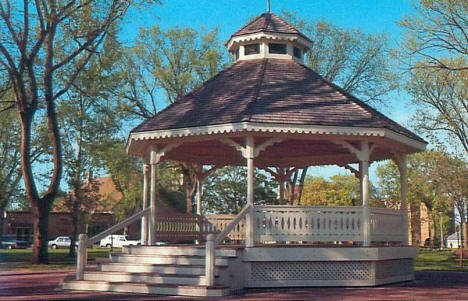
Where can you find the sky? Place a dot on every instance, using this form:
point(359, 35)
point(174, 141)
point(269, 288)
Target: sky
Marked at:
point(370, 16)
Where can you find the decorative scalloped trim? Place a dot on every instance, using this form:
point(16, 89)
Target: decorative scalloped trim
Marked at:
point(268, 36)
point(274, 128)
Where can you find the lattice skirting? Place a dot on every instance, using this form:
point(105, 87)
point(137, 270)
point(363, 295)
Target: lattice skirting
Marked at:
point(329, 273)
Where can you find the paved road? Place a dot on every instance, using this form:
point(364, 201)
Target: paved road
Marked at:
point(429, 285)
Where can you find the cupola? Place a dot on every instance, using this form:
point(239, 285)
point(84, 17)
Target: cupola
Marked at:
point(269, 36)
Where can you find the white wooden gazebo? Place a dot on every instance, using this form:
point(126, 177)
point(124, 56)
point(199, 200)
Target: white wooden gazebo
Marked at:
point(268, 110)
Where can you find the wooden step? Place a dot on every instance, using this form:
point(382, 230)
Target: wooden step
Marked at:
point(179, 279)
point(154, 268)
point(177, 250)
point(147, 288)
point(164, 259)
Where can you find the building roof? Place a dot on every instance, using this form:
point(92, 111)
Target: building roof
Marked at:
point(274, 91)
point(269, 23)
point(454, 236)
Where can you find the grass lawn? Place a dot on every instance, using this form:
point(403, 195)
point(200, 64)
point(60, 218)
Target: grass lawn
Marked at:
point(58, 259)
point(438, 260)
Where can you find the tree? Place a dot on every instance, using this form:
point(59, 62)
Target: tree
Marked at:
point(173, 61)
point(452, 178)
point(10, 172)
point(441, 97)
point(359, 63)
point(226, 188)
point(340, 190)
point(124, 171)
point(436, 52)
point(437, 35)
point(90, 119)
point(424, 186)
point(44, 45)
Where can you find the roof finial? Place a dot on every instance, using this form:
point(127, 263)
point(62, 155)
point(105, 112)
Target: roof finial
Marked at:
point(268, 5)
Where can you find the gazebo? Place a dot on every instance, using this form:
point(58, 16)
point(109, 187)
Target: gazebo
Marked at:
point(267, 110)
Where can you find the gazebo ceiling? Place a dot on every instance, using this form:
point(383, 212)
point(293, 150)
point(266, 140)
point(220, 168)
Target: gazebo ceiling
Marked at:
point(271, 97)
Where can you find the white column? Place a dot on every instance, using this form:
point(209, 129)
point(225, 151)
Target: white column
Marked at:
point(199, 196)
point(250, 218)
point(144, 220)
point(364, 172)
point(401, 162)
point(154, 194)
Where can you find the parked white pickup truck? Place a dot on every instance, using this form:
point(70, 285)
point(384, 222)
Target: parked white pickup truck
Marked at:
point(118, 241)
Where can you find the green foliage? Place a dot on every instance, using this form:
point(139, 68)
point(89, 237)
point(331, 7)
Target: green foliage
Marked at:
point(434, 178)
point(423, 181)
point(340, 190)
point(357, 62)
point(437, 35)
point(225, 191)
point(173, 61)
point(441, 97)
point(125, 172)
point(437, 260)
point(436, 54)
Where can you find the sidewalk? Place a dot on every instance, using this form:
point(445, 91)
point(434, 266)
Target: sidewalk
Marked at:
point(429, 285)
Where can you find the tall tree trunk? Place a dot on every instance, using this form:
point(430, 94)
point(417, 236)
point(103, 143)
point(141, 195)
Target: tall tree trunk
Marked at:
point(190, 185)
point(301, 185)
point(415, 223)
point(75, 222)
point(41, 229)
point(432, 230)
point(2, 221)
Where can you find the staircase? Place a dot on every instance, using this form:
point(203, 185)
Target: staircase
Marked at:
point(162, 270)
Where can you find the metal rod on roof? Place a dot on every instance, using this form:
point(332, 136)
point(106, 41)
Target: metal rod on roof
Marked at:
point(268, 5)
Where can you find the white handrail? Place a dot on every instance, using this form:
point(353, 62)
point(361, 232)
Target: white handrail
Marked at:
point(84, 242)
point(212, 241)
point(119, 226)
point(219, 238)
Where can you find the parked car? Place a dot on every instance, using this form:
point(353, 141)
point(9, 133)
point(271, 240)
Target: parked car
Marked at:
point(117, 240)
point(61, 242)
point(10, 242)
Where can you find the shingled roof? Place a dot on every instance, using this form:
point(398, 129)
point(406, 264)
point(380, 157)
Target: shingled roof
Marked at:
point(270, 23)
point(270, 91)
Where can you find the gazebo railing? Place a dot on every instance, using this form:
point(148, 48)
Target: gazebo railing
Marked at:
point(307, 223)
point(212, 241)
point(287, 223)
point(219, 222)
point(387, 225)
point(326, 224)
point(84, 241)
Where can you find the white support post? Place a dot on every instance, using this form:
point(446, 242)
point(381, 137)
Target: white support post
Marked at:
point(401, 163)
point(365, 203)
point(82, 256)
point(199, 197)
point(154, 159)
point(144, 219)
point(250, 218)
point(210, 260)
point(364, 157)
point(362, 153)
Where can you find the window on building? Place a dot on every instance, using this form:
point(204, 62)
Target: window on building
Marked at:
point(277, 48)
point(297, 53)
point(251, 49)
